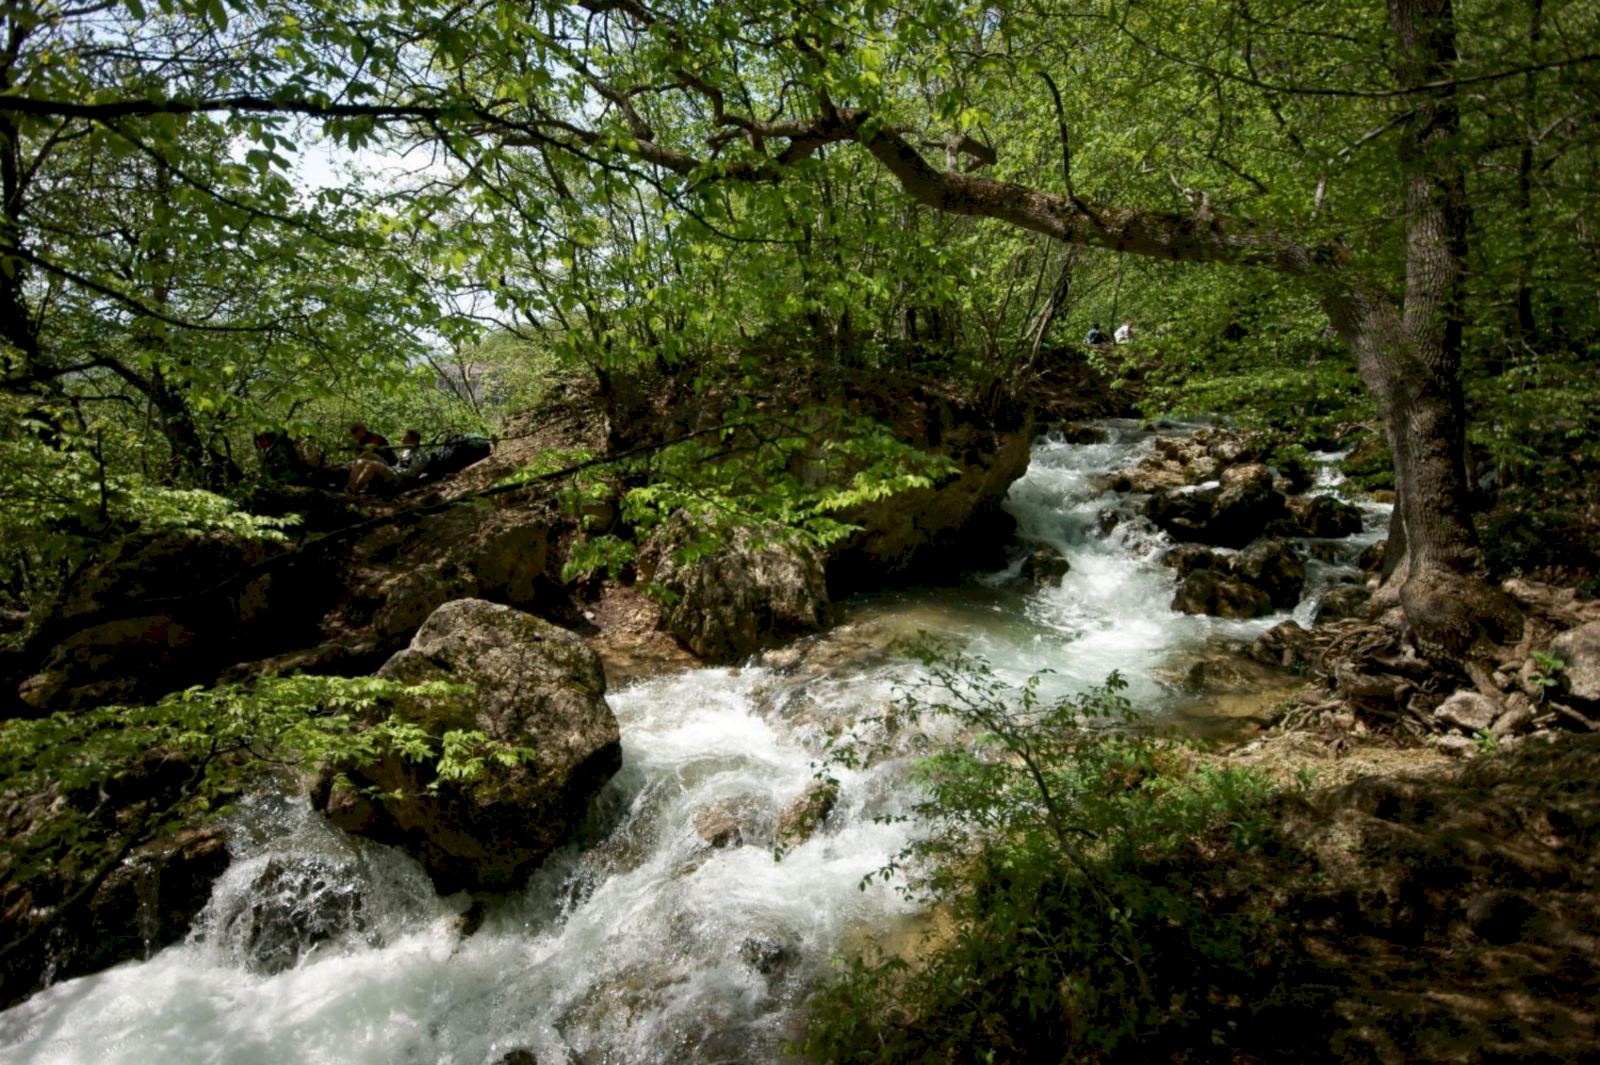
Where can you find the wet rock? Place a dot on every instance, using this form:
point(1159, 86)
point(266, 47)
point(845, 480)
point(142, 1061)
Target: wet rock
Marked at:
point(1106, 521)
point(1342, 601)
point(926, 533)
point(801, 818)
point(1468, 712)
point(731, 822)
point(1075, 433)
point(743, 596)
point(1275, 567)
point(1244, 507)
point(1209, 592)
point(532, 685)
point(765, 954)
point(1329, 518)
point(150, 900)
point(519, 1056)
point(1152, 477)
point(1184, 516)
point(1579, 652)
point(1045, 567)
point(1186, 558)
point(289, 907)
point(1297, 474)
point(1332, 554)
point(1286, 645)
point(1201, 469)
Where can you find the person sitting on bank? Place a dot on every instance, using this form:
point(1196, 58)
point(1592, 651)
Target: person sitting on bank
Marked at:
point(369, 468)
point(369, 443)
point(1124, 332)
point(1096, 336)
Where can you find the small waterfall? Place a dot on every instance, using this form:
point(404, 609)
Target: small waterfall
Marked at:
point(670, 933)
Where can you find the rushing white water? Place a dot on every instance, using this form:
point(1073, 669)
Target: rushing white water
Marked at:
point(644, 943)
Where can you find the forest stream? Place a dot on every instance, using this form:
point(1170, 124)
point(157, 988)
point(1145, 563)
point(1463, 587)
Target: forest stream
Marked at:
point(670, 933)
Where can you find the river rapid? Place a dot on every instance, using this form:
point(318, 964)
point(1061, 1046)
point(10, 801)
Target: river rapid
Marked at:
point(643, 942)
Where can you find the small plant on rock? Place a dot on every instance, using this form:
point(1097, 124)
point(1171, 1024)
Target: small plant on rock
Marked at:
point(1547, 673)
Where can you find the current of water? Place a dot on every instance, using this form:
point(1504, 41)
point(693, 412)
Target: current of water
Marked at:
point(644, 943)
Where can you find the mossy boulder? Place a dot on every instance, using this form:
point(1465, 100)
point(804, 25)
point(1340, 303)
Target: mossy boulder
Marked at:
point(532, 685)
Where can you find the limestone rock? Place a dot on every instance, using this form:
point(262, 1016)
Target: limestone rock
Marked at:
point(732, 822)
point(1075, 433)
point(1456, 746)
point(924, 533)
point(1579, 651)
point(1184, 516)
point(1332, 554)
point(1286, 644)
point(744, 596)
point(1201, 469)
point(1275, 567)
point(534, 685)
point(765, 954)
point(288, 907)
point(1186, 558)
point(1468, 712)
point(1209, 592)
point(147, 902)
point(1329, 518)
point(1343, 601)
point(1245, 507)
point(802, 817)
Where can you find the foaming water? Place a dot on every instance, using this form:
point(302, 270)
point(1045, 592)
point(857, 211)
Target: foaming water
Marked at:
point(651, 946)
point(643, 942)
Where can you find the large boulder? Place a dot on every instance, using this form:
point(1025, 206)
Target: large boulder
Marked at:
point(287, 906)
point(148, 900)
point(1244, 507)
point(533, 685)
point(1207, 591)
point(159, 612)
point(1238, 512)
point(955, 525)
point(743, 596)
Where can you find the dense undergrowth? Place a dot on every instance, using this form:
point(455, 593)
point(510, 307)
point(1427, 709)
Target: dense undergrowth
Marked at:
point(1056, 854)
point(1100, 894)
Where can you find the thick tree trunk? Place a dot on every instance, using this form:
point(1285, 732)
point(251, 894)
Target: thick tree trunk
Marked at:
point(1409, 354)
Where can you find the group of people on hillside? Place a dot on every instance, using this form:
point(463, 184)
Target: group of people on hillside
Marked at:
point(375, 465)
point(1097, 336)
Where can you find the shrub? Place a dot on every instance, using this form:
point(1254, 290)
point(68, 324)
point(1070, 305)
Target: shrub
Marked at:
point(1055, 841)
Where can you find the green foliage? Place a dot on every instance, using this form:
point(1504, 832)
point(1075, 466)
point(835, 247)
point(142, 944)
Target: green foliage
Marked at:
point(1055, 843)
point(1548, 673)
point(97, 778)
point(60, 507)
point(791, 477)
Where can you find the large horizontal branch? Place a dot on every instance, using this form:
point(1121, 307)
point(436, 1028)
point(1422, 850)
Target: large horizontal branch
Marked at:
point(248, 104)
